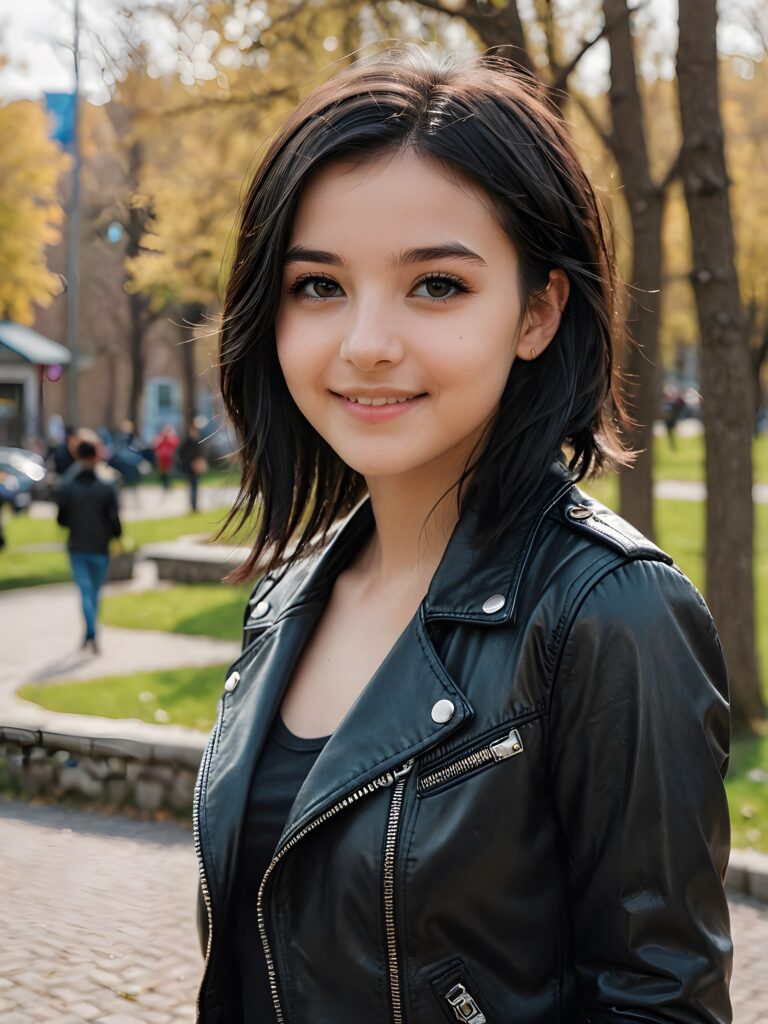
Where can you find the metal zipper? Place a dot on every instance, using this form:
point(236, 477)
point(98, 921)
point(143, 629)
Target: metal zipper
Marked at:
point(390, 851)
point(202, 779)
point(387, 779)
point(500, 750)
point(464, 1006)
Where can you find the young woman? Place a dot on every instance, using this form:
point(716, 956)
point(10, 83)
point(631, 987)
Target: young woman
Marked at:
point(469, 763)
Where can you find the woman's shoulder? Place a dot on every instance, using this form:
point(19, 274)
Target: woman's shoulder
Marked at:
point(617, 573)
point(590, 554)
point(595, 522)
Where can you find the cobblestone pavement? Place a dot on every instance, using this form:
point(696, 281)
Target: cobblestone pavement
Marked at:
point(97, 918)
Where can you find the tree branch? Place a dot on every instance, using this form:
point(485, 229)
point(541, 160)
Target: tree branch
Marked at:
point(605, 137)
point(673, 173)
point(562, 74)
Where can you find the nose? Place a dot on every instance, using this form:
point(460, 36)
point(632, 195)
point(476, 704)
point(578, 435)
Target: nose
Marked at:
point(371, 338)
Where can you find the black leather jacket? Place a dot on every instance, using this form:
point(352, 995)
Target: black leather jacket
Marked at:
point(88, 506)
point(522, 819)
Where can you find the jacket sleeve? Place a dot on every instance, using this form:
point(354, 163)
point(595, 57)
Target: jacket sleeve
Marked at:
point(639, 748)
point(62, 516)
point(113, 514)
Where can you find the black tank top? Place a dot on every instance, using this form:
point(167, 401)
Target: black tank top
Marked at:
point(279, 775)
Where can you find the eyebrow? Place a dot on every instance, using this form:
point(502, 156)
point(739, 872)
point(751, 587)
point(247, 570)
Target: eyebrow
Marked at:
point(422, 254)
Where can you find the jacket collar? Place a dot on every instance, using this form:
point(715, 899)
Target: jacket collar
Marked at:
point(469, 584)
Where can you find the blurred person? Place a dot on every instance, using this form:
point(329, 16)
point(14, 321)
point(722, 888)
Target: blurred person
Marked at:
point(672, 409)
point(62, 453)
point(192, 461)
point(165, 445)
point(88, 508)
point(125, 434)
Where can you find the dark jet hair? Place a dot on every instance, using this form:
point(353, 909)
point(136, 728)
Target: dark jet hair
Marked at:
point(492, 123)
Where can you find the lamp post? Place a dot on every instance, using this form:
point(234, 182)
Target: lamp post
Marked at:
point(73, 242)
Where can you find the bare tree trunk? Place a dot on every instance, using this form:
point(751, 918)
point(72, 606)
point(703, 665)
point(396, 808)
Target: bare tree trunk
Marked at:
point(191, 315)
point(726, 382)
point(138, 304)
point(759, 356)
point(645, 202)
point(136, 329)
point(110, 397)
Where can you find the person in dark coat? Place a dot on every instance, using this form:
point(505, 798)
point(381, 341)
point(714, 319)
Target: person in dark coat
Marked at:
point(88, 507)
point(192, 461)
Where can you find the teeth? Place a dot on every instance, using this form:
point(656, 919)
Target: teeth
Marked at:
point(378, 401)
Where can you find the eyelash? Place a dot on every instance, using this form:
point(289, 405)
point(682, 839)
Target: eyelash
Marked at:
point(461, 287)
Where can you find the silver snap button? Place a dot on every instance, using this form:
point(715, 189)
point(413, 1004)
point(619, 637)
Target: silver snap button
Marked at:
point(493, 604)
point(443, 711)
point(232, 682)
point(579, 512)
point(261, 608)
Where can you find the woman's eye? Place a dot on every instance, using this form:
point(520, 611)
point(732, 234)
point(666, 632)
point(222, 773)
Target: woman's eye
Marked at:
point(314, 287)
point(439, 287)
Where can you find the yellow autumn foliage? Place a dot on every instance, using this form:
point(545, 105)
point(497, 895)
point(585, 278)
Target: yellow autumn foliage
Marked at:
point(30, 214)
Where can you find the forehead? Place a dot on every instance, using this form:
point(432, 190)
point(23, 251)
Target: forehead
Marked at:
point(393, 193)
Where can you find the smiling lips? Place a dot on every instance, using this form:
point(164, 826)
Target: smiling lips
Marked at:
point(379, 408)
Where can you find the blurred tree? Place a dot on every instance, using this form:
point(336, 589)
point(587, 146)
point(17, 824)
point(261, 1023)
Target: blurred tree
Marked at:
point(725, 361)
point(644, 194)
point(30, 214)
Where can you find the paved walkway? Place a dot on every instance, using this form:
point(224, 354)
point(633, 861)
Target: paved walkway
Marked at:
point(152, 502)
point(98, 923)
point(45, 623)
point(97, 917)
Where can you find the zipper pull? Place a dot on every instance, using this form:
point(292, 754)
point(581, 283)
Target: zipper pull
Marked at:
point(507, 747)
point(391, 777)
point(464, 1006)
point(403, 769)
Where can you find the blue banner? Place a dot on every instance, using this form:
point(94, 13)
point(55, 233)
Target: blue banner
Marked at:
point(61, 107)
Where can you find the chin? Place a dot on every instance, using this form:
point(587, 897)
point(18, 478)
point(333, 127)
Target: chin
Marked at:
point(371, 466)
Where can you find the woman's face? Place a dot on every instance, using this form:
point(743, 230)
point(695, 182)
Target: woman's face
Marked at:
point(399, 286)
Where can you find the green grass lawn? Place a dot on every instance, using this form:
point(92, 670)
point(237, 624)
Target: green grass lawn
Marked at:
point(209, 609)
point(686, 460)
point(218, 474)
point(182, 696)
point(27, 568)
point(747, 785)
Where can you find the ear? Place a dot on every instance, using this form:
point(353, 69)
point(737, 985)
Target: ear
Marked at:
point(542, 318)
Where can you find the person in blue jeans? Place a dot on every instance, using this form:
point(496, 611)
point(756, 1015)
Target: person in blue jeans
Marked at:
point(88, 507)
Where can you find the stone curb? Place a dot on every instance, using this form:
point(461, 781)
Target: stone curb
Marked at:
point(748, 874)
point(188, 562)
point(106, 746)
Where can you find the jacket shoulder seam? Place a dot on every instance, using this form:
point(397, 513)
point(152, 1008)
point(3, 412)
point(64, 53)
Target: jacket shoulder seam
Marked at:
point(571, 609)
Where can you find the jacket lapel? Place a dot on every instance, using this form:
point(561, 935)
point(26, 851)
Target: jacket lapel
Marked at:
point(392, 719)
point(390, 722)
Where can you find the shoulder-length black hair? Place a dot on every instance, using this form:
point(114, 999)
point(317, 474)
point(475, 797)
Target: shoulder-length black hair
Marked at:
point(492, 123)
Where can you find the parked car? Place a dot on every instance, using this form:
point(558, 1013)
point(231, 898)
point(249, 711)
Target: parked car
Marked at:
point(28, 469)
point(11, 493)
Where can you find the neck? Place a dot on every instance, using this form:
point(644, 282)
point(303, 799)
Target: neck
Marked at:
point(411, 534)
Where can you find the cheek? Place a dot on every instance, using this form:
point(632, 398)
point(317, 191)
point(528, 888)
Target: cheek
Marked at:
point(298, 353)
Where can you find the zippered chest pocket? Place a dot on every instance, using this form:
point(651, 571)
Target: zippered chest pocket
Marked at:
point(458, 996)
point(489, 751)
